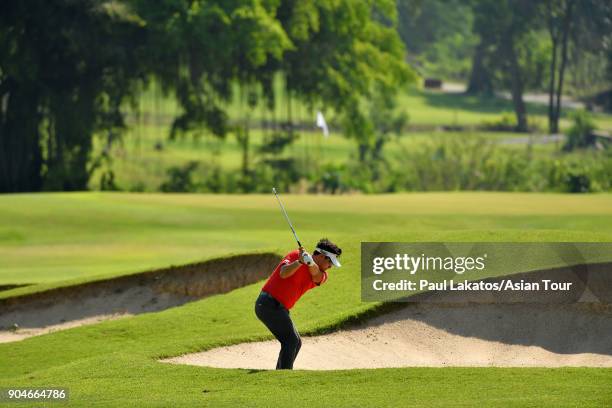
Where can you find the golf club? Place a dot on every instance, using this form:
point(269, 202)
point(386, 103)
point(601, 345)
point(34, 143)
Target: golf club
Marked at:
point(287, 217)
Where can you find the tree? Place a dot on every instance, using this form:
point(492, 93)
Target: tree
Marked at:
point(64, 68)
point(344, 52)
point(198, 48)
point(505, 25)
point(480, 80)
point(438, 36)
point(584, 24)
point(559, 18)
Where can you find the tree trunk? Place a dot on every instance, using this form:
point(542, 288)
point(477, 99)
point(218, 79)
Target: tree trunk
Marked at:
point(554, 38)
point(243, 132)
point(245, 151)
point(516, 81)
point(363, 151)
point(480, 79)
point(20, 152)
point(552, 124)
point(378, 146)
point(566, 28)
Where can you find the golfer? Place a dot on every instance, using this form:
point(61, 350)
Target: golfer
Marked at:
point(294, 275)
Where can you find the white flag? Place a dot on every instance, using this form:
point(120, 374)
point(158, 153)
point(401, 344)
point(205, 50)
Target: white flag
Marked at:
point(322, 124)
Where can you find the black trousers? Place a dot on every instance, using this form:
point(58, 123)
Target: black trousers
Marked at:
point(276, 318)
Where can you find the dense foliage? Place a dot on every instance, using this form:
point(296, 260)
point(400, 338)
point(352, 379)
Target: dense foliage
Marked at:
point(69, 68)
point(66, 67)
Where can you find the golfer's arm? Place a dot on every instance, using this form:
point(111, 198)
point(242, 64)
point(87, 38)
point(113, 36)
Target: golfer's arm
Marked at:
point(289, 269)
point(317, 275)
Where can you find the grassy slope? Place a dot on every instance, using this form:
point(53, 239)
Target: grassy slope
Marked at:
point(112, 362)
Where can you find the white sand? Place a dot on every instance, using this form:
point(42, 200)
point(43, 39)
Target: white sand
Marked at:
point(7, 336)
point(519, 335)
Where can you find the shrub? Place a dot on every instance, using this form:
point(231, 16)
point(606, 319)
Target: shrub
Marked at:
point(107, 181)
point(468, 163)
point(507, 123)
point(180, 179)
point(580, 135)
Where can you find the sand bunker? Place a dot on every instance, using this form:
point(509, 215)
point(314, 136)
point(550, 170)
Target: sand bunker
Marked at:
point(66, 307)
point(443, 335)
point(440, 333)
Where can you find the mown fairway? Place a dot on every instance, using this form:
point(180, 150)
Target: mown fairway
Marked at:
point(52, 237)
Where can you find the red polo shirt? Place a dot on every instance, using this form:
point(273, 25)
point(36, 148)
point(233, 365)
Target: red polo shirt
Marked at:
point(289, 290)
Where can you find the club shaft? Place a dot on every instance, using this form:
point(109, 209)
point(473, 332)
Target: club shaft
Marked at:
point(287, 217)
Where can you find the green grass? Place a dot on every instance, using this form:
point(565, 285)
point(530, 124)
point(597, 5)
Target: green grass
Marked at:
point(425, 107)
point(128, 381)
point(64, 236)
point(438, 108)
point(113, 363)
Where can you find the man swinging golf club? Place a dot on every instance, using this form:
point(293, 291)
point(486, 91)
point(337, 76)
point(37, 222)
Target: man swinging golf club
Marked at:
point(297, 273)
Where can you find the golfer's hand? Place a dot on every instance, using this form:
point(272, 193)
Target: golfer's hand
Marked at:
point(302, 260)
point(307, 259)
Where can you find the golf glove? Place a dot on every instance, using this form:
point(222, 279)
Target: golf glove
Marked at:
point(308, 259)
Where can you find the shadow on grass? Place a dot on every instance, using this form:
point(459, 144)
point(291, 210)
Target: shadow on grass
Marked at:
point(14, 286)
point(255, 371)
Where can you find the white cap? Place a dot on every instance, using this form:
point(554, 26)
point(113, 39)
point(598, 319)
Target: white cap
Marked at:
point(331, 256)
